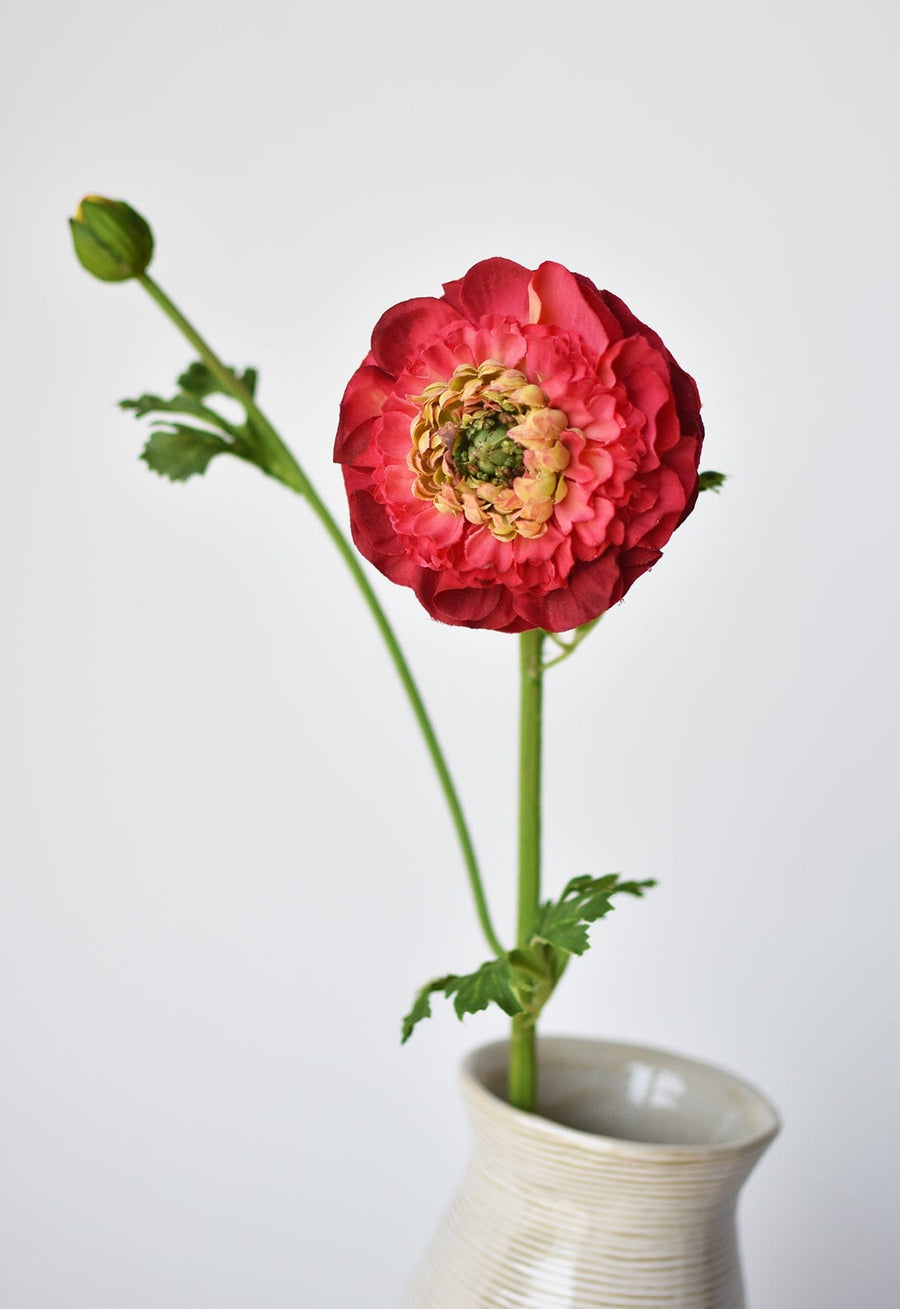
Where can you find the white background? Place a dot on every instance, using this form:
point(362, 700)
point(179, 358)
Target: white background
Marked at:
point(225, 863)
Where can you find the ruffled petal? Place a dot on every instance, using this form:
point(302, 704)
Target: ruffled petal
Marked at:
point(466, 606)
point(402, 332)
point(372, 529)
point(590, 590)
point(595, 301)
point(557, 299)
point(366, 392)
point(358, 449)
point(494, 286)
point(629, 323)
point(394, 438)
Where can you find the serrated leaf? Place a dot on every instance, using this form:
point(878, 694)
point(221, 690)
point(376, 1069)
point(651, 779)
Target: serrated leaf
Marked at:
point(491, 984)
point(179, 450)
point(179, 404)
point(562, 927)
point(182, 452)
point(421, 1007)
point(564, 923)
point(198, 380)
point(710, 481)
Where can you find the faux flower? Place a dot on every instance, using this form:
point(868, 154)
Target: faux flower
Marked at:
point(519, 450)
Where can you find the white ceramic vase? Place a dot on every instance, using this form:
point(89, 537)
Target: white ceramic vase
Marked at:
point(621, 1193)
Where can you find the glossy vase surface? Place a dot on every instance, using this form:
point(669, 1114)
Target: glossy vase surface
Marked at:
point(621, 1192)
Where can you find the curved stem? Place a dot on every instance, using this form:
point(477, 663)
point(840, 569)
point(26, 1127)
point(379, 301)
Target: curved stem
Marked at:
point(569, 647)
point(523, 1045)
point(281, 464)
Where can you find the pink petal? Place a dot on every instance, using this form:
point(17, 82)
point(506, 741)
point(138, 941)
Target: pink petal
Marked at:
point(401, 332)
point(549, 358)
point(631, 326)
point(397, 481)
point(494, 286)
point(576, 508)
point(633, 563)
point(449, 600)
point(576, 399)
point(357, 448)
point(687, 400)
point(372, 529)
point(366, 392)
point(440, 358)
point(557, 299)
point(536, 549)
point(655, 524)
point(683, 461)
point(394, 438)
point(590, 591)
point(426, 529)
point(480, 548)
point(497, 338)
point(595, 301)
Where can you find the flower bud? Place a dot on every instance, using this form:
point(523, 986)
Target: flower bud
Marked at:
point(112, 241)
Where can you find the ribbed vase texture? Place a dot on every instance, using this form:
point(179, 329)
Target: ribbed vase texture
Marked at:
point(621, 1193)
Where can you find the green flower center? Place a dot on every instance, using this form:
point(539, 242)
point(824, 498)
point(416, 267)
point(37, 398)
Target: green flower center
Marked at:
point(482, 450)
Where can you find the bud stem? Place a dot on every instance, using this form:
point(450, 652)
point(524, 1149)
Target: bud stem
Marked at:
point(278, 460)
point(281, 464)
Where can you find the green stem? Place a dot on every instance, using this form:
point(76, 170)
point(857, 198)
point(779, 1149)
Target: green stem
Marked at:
point(523, 1051)
point(281, 464)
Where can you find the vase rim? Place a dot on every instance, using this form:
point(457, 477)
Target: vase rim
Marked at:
point(487, 1060)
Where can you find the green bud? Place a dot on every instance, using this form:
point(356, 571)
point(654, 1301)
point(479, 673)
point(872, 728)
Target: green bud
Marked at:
point(112, 241)
point(710, 481)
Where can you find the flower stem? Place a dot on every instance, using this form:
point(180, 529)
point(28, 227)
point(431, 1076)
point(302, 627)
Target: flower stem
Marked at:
point(522, 1053)
point(280, 463)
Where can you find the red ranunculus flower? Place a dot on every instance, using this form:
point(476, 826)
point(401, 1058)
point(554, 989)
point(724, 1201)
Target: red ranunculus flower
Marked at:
point(519, 450)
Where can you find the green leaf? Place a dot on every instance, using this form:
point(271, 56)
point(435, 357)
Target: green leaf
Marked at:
point(710, 481)
point(199, 381)
point(523, 980)
point(491, 984)
point(178, 450)
point(421, 1007)
point(564, 923)
point(179, 404)
point(182, 452)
